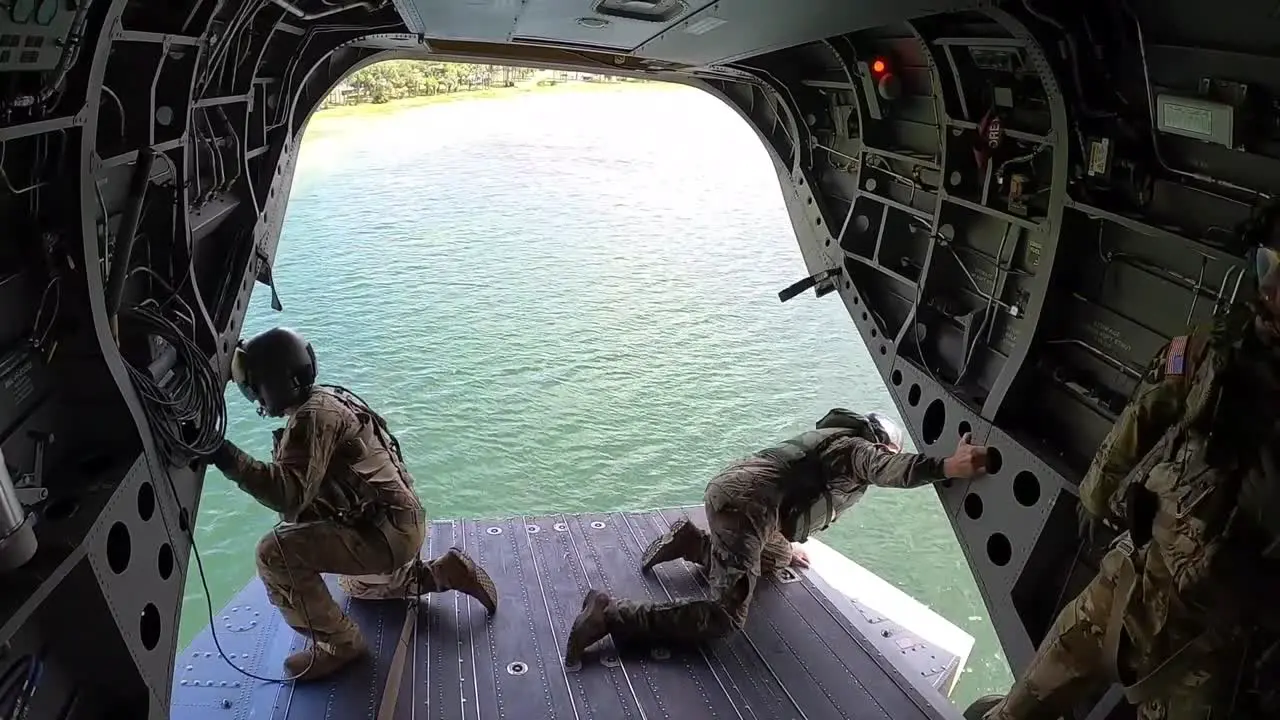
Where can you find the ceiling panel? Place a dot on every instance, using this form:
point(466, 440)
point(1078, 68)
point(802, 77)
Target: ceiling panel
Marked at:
point(560, 20)
point(733, 29)
point(491, 20)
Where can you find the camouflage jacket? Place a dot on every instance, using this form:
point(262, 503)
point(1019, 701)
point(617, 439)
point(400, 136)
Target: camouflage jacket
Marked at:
point(1199, 437)
point(827, 471)
point(330, 463)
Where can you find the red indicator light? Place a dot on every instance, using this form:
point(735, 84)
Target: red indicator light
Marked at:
point(878, 66)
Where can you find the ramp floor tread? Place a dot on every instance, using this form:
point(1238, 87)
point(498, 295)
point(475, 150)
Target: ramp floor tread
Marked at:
point(805, 653)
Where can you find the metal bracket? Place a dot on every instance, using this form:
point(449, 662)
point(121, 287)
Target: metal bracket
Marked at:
point(30, 486)
point(787, 576)
point(810, 282)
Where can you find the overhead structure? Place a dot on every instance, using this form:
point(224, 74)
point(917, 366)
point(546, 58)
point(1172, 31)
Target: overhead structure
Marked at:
point(1017, 203)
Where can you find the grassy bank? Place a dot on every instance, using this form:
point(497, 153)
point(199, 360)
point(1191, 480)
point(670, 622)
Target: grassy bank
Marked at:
point(368, 109)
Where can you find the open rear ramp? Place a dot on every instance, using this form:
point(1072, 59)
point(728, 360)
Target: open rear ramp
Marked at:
point(808, 651)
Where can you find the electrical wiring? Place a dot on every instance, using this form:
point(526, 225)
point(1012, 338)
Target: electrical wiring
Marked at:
point(188, 415)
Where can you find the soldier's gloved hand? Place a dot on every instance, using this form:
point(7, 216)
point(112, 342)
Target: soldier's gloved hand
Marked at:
point(219, 457)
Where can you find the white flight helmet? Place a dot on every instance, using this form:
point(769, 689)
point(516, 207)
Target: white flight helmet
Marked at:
point(889, 429)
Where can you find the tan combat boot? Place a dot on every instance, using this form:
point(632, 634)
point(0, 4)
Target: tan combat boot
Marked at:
point(325, 657)
point(683, 541)
point(456, 571)
point(589, 627)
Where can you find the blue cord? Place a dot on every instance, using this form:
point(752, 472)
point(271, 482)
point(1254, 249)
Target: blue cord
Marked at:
point(22, 699)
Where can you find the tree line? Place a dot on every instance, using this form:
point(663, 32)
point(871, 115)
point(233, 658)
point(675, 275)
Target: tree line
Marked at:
point(397, 79)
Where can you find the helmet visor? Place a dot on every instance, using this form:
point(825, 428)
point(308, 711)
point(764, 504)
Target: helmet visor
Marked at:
point(240, 374)
point(1268, 268)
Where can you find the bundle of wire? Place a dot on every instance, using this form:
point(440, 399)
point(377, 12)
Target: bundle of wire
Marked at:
point(187, 414)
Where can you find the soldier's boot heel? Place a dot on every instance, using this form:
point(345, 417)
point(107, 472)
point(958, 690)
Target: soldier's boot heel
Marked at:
point(683, 541)
point(324, 658)
point(589, 627)
point(455, 570)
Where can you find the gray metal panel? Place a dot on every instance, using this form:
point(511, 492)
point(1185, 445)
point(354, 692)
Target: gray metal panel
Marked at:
point(733, 29)
point(490, 20)
point(804, 653)
point(558, 20)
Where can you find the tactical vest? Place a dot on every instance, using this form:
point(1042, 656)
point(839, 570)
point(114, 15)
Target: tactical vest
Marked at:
point(808, 504)
point(368, 452)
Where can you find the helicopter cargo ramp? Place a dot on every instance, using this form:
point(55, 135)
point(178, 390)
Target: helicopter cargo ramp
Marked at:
point(813, 646)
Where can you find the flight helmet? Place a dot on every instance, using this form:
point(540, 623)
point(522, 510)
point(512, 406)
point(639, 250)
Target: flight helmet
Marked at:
point(875, 426)
point(890, 431)
point(276, 369)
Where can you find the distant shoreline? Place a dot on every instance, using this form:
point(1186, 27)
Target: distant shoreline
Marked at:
point(343, 112)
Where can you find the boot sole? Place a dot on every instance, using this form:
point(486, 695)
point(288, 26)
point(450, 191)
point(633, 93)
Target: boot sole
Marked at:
point(593, 605)
point(654, 554)
point(481, 586)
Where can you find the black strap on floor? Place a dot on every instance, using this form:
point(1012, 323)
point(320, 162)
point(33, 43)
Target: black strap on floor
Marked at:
point(395, 671)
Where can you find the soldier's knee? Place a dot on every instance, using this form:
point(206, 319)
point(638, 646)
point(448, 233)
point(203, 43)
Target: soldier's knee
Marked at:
point(721, 623)
point(728, 617)
point(269, 556)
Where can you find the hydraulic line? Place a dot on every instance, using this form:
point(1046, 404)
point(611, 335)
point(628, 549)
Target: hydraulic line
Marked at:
point(128, 231)
point(303, 15)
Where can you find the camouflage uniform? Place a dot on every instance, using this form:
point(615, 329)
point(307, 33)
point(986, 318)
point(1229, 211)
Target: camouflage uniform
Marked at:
point(755, 509)
point(1168, 614)
point(348, 507)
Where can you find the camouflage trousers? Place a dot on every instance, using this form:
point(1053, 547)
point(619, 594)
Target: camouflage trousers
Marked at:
point(375, 562)
point(744, 542)
point(1072, 661)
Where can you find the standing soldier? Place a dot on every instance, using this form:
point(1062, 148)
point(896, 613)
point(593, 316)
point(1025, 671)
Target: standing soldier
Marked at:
point(1184, 601)
point(758, 510)
point(347, 502)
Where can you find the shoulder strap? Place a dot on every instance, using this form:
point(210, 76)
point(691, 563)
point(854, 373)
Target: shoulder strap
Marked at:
point(360, 407)
point(381, 429)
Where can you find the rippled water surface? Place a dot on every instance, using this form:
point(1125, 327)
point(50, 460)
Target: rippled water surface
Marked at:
point(567, 302)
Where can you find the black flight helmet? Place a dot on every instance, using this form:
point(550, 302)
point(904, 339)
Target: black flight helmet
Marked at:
point(276, 369)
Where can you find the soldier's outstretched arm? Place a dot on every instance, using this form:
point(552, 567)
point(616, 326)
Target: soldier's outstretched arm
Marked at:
point(1157, 403)
point(863, 461)
point(293, 480)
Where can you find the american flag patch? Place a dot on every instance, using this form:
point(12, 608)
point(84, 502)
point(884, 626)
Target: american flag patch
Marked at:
point(1176, 362)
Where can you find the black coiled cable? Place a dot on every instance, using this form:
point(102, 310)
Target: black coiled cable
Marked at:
point(188, 414)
